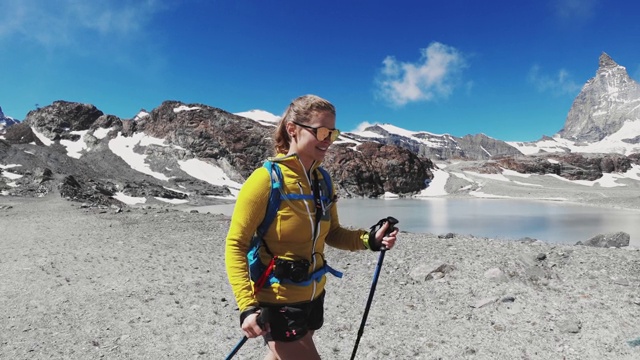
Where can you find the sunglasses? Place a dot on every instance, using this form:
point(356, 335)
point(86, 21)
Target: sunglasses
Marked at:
point(322, 132)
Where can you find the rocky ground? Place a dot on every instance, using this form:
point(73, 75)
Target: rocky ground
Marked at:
point(149, 283)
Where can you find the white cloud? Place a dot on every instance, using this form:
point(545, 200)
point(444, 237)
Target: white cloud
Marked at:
point(66, 22)
point(559, 84)
point(434, 75)
point(575, 9)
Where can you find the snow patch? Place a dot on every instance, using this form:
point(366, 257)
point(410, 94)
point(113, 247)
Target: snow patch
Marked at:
point(45, 140)
point(182, 108)
point(207, 172)
point(436, 186)
point(123, 147)
point(129, 200)
point(261, 116)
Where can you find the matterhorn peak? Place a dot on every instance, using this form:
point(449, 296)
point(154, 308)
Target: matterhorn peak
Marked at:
point(605, 103)
point(610, 69)
point(5, 121)
point(607, 61)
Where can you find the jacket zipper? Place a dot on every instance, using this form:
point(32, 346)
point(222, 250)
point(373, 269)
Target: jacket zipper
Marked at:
point(314, 232)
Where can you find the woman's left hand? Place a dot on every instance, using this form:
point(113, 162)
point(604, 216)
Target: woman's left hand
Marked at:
point(386, 242)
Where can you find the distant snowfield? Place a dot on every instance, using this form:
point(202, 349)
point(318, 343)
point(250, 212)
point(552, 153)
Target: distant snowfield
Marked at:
point(263, 117)
point(611, 144)
point(401, 132)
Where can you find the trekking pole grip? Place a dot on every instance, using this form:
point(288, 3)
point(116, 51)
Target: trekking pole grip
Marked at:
point(392, 223)
point(261, 320)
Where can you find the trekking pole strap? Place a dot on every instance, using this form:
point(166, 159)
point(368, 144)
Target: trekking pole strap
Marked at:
point(258, 285)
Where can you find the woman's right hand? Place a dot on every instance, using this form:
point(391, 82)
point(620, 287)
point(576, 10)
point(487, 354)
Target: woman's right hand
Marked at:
point(253, 326)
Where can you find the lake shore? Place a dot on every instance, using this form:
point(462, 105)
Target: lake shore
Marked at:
point(558, 195)
point(149, 283)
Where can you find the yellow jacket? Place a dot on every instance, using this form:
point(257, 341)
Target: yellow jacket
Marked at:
point(290, 235)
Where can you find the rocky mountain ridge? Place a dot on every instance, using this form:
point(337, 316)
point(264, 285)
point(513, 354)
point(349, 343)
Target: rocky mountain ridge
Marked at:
point(100, 158)
point(169, 139)
point(439, 147)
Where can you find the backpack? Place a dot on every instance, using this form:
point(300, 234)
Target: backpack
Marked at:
point(258, 271)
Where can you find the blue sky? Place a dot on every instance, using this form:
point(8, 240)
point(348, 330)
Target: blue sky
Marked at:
point(508, 69)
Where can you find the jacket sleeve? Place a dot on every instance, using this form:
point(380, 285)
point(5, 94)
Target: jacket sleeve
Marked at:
point(345, 239)
point(249, 210)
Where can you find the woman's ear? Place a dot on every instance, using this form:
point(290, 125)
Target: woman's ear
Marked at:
point(291, 130)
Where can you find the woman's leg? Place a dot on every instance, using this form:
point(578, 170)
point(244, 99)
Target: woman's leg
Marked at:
point(304, 348)
point(270, 355)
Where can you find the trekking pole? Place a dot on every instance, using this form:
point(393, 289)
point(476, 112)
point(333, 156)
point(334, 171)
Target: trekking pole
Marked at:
point(392, 222)
point(238, 346)
point(261, 322)
point(257, 286)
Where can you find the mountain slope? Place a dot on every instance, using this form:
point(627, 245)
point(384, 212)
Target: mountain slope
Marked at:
point(177, 153)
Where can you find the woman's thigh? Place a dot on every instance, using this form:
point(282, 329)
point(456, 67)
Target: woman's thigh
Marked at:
point(304, 348)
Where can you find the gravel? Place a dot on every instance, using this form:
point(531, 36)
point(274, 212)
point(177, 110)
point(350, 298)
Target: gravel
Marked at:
point(149, 283)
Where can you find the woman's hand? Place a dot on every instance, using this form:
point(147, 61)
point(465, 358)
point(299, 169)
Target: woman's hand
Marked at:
point(252, 326)
point(386, 242)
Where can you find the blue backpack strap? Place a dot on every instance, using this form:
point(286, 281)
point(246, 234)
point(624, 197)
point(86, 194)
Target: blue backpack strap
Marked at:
point(256, 268)
point(327, 180)
point(274, 197)
point(315, 276)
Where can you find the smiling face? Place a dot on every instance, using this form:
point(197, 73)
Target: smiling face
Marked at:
point(304, 141)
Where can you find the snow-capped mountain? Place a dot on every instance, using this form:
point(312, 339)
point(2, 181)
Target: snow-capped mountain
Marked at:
point(605, 104)
point(604, 117)
point(5, 121)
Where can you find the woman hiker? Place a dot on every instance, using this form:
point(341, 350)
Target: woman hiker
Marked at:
point(285, 285)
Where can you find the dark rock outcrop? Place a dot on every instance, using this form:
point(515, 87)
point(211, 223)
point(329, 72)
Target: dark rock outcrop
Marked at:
point(21, 134)
point(373, 169)
point(571, 166)
point(59, 119)
point(211, 133)
point(88, 190)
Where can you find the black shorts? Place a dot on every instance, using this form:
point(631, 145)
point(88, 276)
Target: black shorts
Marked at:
point(292, 322)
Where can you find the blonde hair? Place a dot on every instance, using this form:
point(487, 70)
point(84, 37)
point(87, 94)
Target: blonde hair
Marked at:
point(300, 110)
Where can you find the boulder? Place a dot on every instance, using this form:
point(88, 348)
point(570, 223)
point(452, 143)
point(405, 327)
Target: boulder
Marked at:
point(616, 240)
